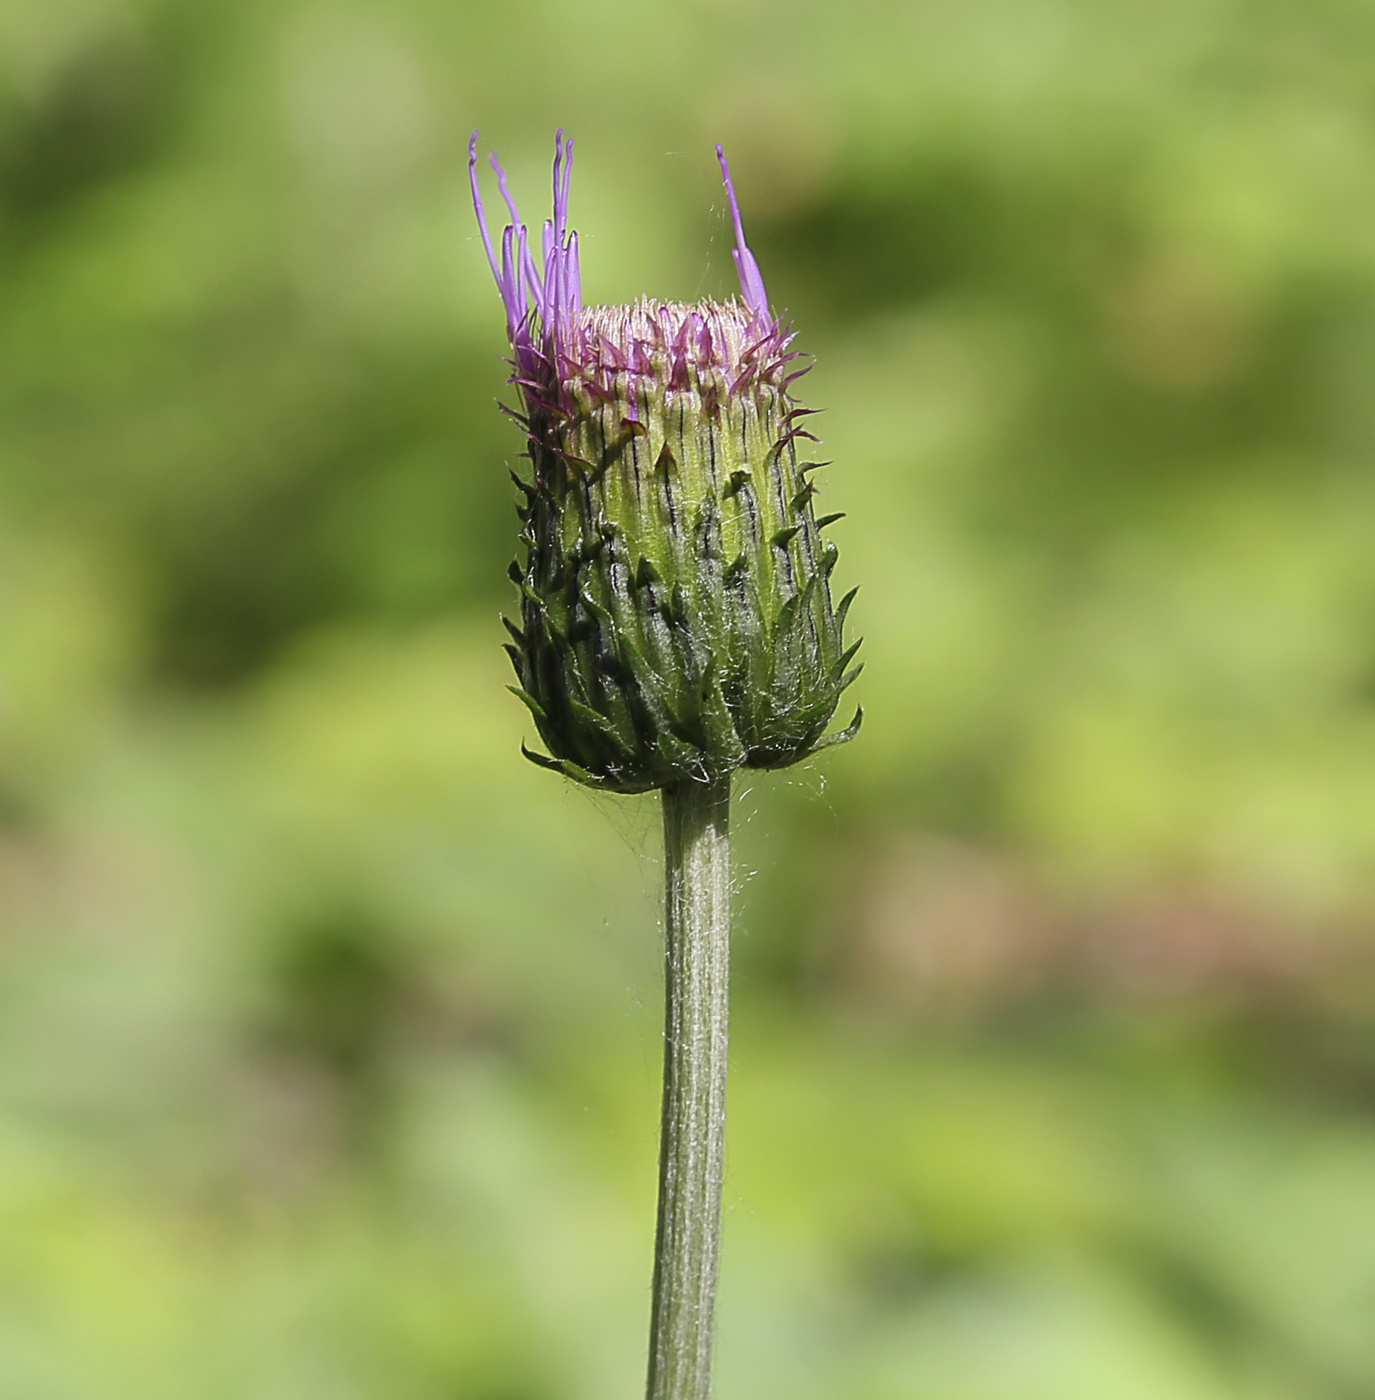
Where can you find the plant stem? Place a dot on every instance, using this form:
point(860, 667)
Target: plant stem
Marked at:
point(692, 1146)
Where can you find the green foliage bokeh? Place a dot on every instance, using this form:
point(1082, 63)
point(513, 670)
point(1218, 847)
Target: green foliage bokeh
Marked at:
point(329, 1027)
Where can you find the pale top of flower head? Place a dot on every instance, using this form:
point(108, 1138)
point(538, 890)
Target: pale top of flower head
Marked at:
point(556, 338)
point(706, 346)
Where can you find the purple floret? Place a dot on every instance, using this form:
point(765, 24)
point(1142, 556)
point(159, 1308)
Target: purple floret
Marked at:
point(557, 341)
point(552, 299)
point(751, 279)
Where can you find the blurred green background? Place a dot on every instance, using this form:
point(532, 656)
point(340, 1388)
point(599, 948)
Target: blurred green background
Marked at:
point(329, 1028)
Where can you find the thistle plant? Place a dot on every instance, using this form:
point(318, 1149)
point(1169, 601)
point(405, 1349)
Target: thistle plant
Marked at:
point(676, 624)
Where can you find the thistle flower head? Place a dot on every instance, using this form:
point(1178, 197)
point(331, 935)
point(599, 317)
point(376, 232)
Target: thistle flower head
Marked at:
point(676, 613)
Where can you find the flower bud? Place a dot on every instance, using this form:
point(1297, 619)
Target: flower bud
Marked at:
point(676, 614)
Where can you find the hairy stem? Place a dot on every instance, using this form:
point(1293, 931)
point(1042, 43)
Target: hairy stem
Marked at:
point(692, 1147)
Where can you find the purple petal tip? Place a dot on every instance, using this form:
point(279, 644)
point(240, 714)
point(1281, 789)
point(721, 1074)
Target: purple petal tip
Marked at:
point(552, 292)
point(751, 279)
